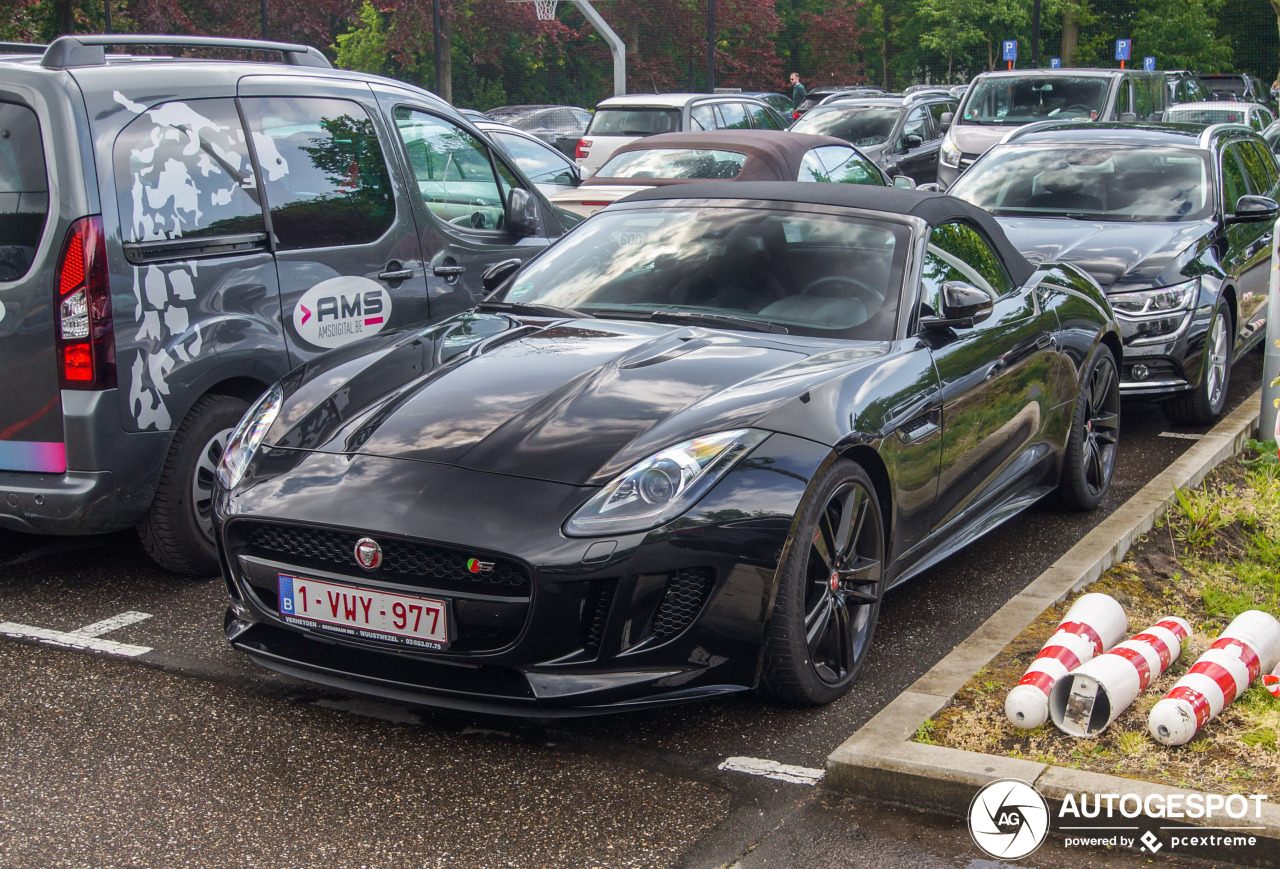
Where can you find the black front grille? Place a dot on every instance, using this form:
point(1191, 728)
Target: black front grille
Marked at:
point(686, 593)
point(429, 565)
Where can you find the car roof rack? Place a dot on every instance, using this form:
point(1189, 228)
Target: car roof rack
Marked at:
point(1213, 129)
point(21, 48)
point(70, 52)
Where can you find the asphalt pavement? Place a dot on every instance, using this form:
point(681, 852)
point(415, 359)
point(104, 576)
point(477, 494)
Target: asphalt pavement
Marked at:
point(186, 754)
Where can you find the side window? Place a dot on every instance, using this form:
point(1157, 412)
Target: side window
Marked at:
point(1143, 100)
point(761, 118)
point(1123, 102)
point(452, 169)
point(1257, 167)
point(916, 125)
point(323, 169)
point(183, 171)
point(539, 163)
point(937, 110)
point(734, 115)
point(703, 117)
point(24, 190)
point(1233, 180)
point(838, 165)
point(969, 252)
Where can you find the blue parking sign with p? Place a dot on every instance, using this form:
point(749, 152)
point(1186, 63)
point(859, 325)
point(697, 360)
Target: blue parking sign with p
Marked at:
point(1010, 49)
point(1055, 63)
point(1122, 48)
point(1149, 64)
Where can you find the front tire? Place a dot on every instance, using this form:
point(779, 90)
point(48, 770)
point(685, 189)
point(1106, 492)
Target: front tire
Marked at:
point(829, 591)
point(1204, 405)
point(1090, 460)
point(177, 531)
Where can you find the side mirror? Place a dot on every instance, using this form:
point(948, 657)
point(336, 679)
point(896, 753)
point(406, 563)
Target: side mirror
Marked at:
point(499, 272)
point(945, 121)
point(522, 213)
point(911, 140)
point(1251, 208)
point(963, 307)
point(903, 182)
point(930, 187)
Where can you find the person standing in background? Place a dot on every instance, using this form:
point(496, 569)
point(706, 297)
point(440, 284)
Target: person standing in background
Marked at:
point(798, 92)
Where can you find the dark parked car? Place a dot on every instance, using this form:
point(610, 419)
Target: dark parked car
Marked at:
point(1173, 222)
point(823, 92)
point(779, 102)
point(997, 102)
point(901, 134)
point(682, 453)
point(179, 233)
point(1182, 86)
point(722, 155)
point(558, 126)
point(1236, 86)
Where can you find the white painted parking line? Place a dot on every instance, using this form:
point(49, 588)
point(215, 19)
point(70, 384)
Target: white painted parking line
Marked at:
point(796, 775)
point(86, 637)
point(1182, 435)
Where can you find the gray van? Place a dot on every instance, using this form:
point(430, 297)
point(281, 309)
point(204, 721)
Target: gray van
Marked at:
point(176, 234)
point(998, 102)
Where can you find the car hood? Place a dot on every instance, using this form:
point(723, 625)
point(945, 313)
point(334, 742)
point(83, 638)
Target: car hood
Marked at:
point(575, 401)
point(1120, 256)
point(977, 138)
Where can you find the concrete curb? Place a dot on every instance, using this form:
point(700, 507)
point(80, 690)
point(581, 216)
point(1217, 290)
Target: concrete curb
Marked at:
point(880, 761)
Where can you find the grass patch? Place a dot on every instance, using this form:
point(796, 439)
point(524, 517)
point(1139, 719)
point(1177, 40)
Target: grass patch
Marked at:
point(1214, 555)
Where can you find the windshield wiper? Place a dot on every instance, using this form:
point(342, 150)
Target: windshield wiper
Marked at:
point(531, 309)
point(721, 320)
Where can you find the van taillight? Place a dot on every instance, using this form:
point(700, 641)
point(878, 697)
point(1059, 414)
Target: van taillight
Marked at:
point(580, 152)
point(86, 338)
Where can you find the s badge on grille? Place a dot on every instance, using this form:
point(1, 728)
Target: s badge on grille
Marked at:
point(368, 553)
point(475, 565)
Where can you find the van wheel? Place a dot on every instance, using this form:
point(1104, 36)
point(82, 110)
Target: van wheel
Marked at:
point(178, 529)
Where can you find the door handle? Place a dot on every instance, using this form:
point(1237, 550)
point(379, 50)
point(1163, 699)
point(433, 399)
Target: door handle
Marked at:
point(447, 271)
point(393, 275)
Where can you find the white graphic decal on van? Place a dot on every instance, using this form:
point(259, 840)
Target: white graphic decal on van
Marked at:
point(167, 336)
point(341, 310)
point(136, 108)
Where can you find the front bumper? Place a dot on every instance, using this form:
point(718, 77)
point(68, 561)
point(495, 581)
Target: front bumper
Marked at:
point(560, 626)
point(1173, 364)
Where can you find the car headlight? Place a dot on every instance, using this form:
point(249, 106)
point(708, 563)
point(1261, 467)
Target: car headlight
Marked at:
point(949, 154)
point(247, 437)
point(1158, 302)
point(662, 486)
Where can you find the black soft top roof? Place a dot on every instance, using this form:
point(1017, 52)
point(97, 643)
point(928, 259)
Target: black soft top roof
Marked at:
point(933, 208)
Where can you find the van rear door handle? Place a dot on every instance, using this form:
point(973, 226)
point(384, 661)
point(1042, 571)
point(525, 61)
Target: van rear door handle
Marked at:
point(395, 275)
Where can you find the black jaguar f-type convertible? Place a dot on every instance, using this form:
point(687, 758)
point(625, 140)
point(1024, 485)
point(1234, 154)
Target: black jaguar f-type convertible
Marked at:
point(683, 452)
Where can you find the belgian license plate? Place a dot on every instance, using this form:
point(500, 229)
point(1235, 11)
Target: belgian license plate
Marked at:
point(364, 613)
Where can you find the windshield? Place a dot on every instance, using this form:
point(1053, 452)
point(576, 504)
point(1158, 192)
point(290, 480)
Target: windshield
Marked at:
point(1006, 101)
point(674, 163)
point(634, 122)
point(861, 125)
point(1105, 181)
point(816, 275)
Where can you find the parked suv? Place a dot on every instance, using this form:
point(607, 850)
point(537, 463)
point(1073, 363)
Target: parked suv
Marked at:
point(177, 234)
point(997, 102)
point(621, 120)
point(901, 134)
point(1236, 86)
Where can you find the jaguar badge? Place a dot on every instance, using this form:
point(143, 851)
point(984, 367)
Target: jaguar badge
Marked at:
point(368, 553)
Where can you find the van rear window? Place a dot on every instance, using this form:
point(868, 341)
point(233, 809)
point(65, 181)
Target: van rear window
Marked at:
point(24, 190)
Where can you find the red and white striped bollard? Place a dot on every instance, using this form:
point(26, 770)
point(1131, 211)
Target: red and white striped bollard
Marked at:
point(1095, 623)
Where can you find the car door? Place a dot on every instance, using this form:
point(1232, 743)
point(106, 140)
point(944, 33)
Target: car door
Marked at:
point(994, 402)
point(1250, 243)
point(917, 159)
point(346, 243)
point(462, 187)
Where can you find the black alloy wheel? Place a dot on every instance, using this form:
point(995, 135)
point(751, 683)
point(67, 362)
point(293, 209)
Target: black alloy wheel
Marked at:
point(829, 592)
point(1090, 460)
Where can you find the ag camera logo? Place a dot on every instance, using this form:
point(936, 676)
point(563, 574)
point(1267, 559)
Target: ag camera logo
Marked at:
point(1008, 819)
